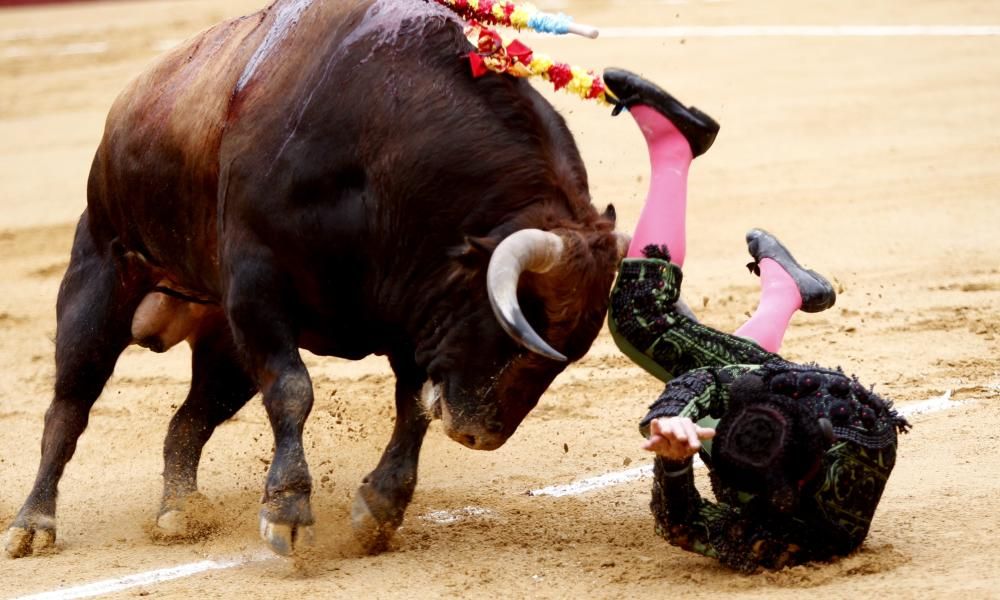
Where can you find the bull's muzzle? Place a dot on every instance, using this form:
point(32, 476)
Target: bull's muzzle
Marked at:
point(476, 432)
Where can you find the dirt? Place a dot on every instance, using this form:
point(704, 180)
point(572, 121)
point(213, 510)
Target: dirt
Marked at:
point(874, 158)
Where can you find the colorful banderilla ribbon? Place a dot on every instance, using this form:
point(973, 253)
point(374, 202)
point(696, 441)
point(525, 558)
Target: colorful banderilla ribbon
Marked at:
point(518, 16)
point(517, 59)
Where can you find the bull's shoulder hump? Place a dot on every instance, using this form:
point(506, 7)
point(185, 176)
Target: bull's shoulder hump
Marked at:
point(205, 66)
point(301, 41)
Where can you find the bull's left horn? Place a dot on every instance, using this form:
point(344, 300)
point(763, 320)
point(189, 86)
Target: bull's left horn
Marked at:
point(622, 242)
point(530, 250)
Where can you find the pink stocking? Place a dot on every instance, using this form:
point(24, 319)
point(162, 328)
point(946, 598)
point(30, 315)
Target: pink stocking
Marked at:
point(779, 299)
point(662, 219)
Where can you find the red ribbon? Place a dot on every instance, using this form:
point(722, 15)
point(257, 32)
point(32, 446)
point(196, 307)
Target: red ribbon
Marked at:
point(520, 52)
point(479, 67)
point(560, 75)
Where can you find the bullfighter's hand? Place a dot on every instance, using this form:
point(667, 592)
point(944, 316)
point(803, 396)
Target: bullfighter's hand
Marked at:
point(676, 438)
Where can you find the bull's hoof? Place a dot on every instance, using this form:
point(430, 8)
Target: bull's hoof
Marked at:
point(373, 525)
point(31, 536)
point(172, 524)
point(283, 538)
point(190, 519)
point(286, 521)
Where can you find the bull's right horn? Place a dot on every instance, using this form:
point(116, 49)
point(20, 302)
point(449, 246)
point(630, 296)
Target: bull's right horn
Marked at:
point(530, 250)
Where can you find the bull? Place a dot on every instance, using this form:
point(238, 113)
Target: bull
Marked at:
point(327, 176)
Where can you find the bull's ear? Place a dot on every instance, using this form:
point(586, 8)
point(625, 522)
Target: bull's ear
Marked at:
point(474, 251)
point(610, 214)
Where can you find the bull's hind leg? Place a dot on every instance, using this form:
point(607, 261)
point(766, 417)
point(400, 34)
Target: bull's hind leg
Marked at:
point(219, 388)
point(385, 493)
point(260, 314)
point(94, 313)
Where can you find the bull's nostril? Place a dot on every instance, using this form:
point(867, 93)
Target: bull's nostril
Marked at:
point(494, 426)
point(470, 440)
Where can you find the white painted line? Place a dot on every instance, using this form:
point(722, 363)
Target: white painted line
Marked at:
point(443, 517)
point(601, 481)
point(17, 35)
point(594, 483)
point(942, 402)
point(696, 31)
point(67, 50)
point(83, 48)
point(15, 52)
point(731, 31)
point(447, 517)
point(682, 31)
point(109, 586)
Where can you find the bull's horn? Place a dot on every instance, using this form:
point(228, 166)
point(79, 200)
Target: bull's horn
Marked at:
point(623, 241)
point(531, 250)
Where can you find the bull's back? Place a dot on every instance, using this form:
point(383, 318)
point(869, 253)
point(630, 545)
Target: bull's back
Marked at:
point(156, 177)
point(325, 113)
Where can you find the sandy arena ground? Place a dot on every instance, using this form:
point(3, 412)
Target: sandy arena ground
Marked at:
point(875, 158)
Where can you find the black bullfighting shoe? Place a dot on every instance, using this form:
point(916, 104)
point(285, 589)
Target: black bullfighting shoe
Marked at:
point(816, 291)
point(632, 90)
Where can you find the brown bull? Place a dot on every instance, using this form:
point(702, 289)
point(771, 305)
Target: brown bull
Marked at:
point(327, 175)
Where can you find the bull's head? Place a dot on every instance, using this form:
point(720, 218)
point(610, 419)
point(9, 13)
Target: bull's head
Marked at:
point(548, 291)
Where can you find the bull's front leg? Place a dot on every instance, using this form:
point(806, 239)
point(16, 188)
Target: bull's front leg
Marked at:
point(286, 515)
point(260, 315)
point(385, 493)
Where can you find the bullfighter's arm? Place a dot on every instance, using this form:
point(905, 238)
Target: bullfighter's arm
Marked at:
point(699, 394)
point(717, 530)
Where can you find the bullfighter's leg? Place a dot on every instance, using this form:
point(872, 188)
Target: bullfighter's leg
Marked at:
point(674, 135)
point(385, 493)
point(259, 313)
point(94, 311)
point(785, 287)
point(644, 319)
point(219, 388)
